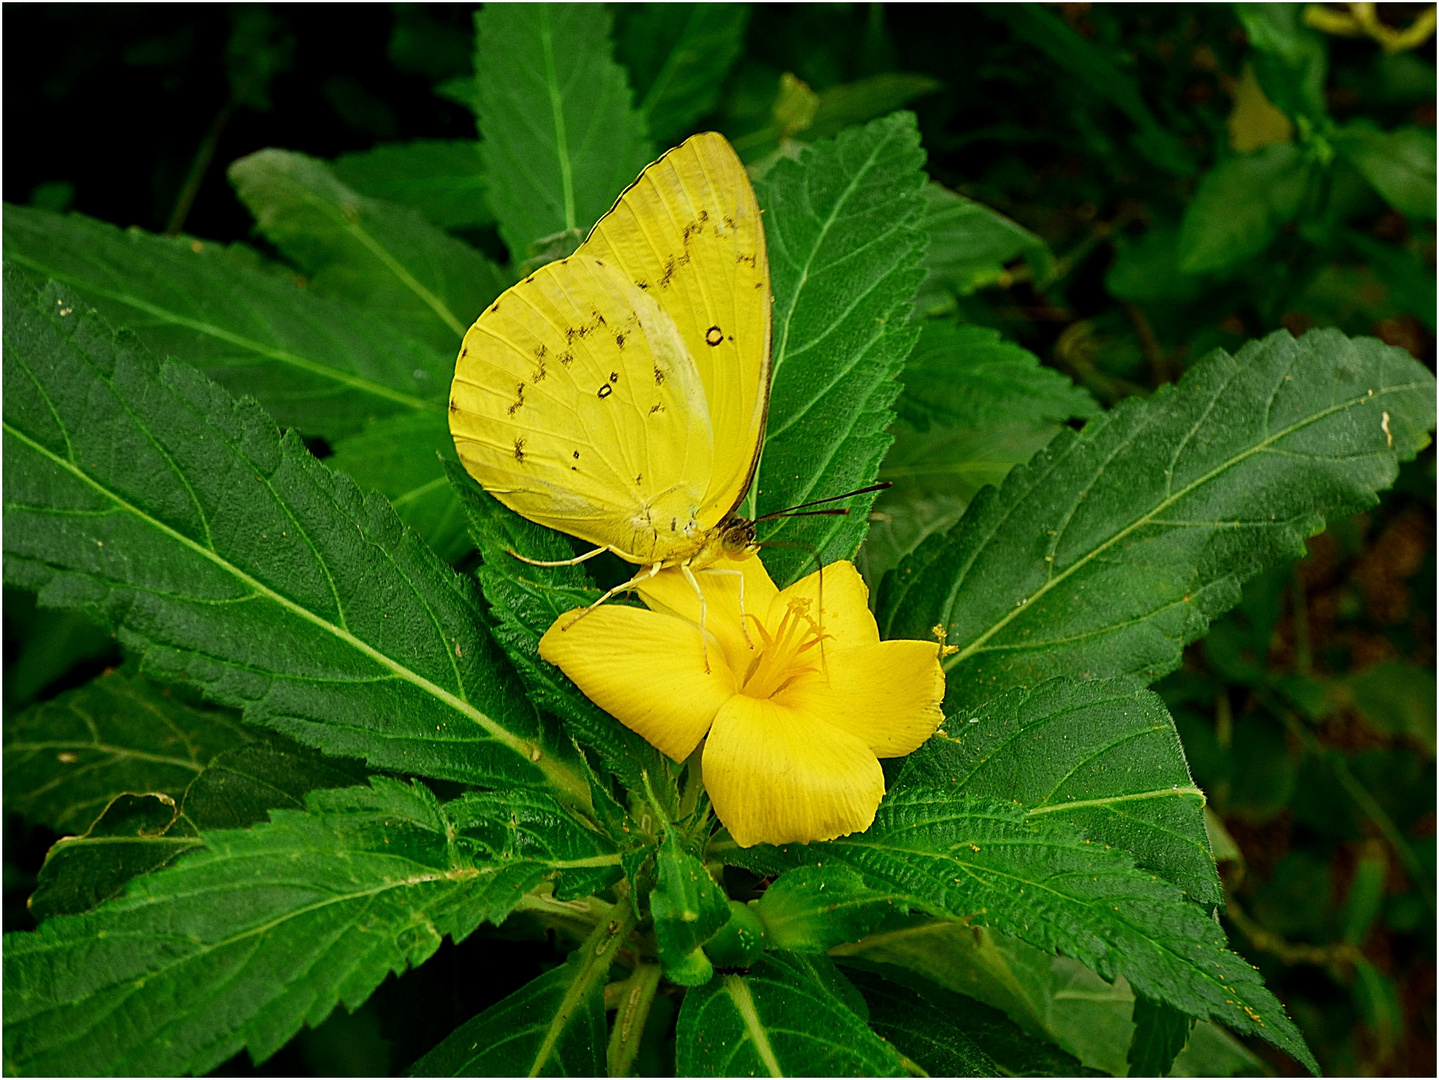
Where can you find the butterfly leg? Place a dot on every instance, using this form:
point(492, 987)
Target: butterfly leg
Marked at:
point(704, 611)
point(560, 562)
point(643, 575)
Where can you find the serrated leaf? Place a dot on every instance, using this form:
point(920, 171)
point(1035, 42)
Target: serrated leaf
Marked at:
point(688, 907)
point(1114, 547)
point(969, 245)
point(552, 1026)
point(230, 558)
point(444, 179)
point(949, 1035)
point(1160, 1032)
point(1105, 759)
point(790, 1015)
point(1399, 164)
point(382, 256)
point(400, 457)
point(68, 758)
point(1240, 206)
point(264, 930)
point(978, 859)
point(843, 252)
point(134, 835)
point(811, 909)
point(315, 363)
point(525, 600)
point(678, 56)
point(242, 785)
point(560, 137)
point(969, 377)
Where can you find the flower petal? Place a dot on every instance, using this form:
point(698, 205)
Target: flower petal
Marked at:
point(646, 669)
point(670, 592)
point(887, 695)
point(846, 619)
point(779, 776)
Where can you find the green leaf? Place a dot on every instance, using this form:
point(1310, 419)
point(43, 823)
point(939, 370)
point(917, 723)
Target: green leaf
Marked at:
point(1290, 58)
point(1096, 73)
point(384, 257)
point(444, 179)
point(231, 558)
point(949, 1035)
point(968, 377)
point(811, 909)
point(68, 758)
point(264, 930)
point(843, 253)
point(1399, 164)
point(47, 645)
point(134, 835)
point(1146, 270)
point(790, 1015)
point(1053, 998)
point(678, 56)
point(401, 458)
point(315, 363)
point(551, 1026)
point(525, 601)
point(969, 245)
point(948, 853)
point(1102, 758)
point(1115, 546)
point(560, 138)
point(688, 907)
point(1240, 206)
point(1410, 280)
point(242, 785)
point(1397, 698)
point(1160, 1032)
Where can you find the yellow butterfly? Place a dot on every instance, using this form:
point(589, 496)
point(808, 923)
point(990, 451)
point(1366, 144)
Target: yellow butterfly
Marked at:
point(620, 395)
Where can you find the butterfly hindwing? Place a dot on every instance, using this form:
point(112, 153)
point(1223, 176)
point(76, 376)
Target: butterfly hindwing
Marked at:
point(577, 404)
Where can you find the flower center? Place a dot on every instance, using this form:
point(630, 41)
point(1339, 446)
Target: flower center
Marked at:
point(791, 651)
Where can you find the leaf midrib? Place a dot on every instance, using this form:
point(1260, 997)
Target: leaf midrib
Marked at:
point(284, 356)
point(258, 588)
point(1023, 605)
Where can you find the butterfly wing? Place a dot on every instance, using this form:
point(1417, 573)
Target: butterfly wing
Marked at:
point(688, 233)
point(577, 404)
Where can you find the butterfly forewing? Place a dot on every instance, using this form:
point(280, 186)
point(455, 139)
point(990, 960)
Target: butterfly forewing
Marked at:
point(688, 232)
point(576, 403)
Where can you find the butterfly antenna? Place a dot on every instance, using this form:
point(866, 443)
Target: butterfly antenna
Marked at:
point(795, 511)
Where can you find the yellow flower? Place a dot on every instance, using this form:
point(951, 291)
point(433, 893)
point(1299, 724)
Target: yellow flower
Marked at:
point(798, 704)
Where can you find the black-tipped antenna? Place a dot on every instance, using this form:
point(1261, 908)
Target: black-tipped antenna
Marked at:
point(817, 502)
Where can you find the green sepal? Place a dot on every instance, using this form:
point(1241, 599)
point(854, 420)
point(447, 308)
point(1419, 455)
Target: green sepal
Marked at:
point(739, 942)
point(688, 907)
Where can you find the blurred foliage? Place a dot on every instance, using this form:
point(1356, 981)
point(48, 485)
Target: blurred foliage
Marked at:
point(1179, 177)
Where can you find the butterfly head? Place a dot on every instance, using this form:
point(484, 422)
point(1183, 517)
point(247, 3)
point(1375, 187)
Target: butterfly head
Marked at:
point(736, 535)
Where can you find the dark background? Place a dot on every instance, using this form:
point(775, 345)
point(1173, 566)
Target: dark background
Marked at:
point(106, 107)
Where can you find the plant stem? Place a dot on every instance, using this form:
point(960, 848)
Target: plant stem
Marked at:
point(199, 165)
point(636, 996)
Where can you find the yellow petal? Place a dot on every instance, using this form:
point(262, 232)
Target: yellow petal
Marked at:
point(778, 776)
point(646, 669)
point(720, 582)
point(845, 619)
point(888, 695)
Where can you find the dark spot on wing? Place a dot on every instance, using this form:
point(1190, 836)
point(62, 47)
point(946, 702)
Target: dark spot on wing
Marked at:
point(659, 377)
point(605, 390)
point(730, 338)
point(495, 306)
point(642, 284)
point(656, 409)
point(614, 376)
point(730, 223)
point(704, 215)
point(519, 398)
point(751, 258)
point(529, 279)
point(674, 524)
point(540, 351)
point(454, 407)
point(520, 449)
point(577, 455)
point(713, 336)
point(669, 273)
point(567, 358)
point(464, 351)
point(620, 340)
